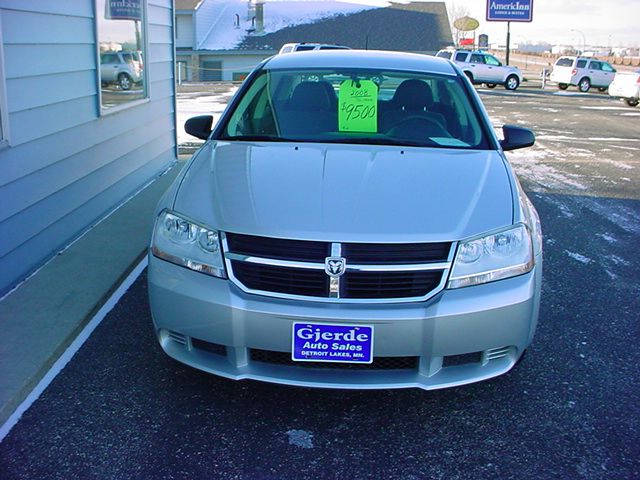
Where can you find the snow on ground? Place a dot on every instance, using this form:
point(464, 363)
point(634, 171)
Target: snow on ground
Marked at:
point(300, 438)
point(580, 258)
point(607, 237)
point(528, 163)
point(193, 104)
point(605, 108)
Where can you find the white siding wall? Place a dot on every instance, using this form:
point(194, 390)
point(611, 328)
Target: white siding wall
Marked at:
point(241, 63)
point(66, 166)
point(185, 33)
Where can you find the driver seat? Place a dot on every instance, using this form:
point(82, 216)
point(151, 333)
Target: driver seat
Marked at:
point(412, 98)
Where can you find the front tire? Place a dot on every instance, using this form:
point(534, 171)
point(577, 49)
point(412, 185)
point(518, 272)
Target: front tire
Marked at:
point(490, 85)
point(124, 81)
point(563, 86)
point(602, 89)
point(632, 102)
point(584, 85)
point(512, 82)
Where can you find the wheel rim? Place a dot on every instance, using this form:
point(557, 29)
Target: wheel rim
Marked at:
point(584, 85)
point(125, 84)
point(512, 83)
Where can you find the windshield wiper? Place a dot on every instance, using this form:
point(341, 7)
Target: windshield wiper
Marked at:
point(382, 141)
point(258, 138)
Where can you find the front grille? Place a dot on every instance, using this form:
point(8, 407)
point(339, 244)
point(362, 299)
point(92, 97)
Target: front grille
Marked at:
point(374, 271)
point(214, 348)
point(463, 359)
point(395, 254)
point(292, 281)
point(389, 284)
point(298, 250)
point(379, 363)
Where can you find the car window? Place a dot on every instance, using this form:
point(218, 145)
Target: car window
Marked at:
point(109, 58)
point(476, 58)
point(491, 60)
point(444, 55)
point(564, 62)
point(461, 57)
point(581, 64)
point(607, 68)
point(302, 48)
point(357, 106)
point(595, 65)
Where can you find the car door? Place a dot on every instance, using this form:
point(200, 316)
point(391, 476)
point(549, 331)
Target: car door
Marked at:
point(478, 68)
point(608, 74)
point(595, 73)
point(493, 68)
point(108, 67)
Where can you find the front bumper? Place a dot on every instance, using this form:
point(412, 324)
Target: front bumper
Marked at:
point(458, 337)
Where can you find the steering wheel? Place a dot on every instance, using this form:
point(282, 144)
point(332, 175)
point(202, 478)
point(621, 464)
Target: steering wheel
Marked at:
point(416, 127)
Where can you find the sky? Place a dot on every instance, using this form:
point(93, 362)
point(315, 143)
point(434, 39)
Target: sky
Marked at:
point(601, 22)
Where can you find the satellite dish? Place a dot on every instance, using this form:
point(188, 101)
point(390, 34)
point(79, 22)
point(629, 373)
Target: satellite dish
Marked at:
point(466, 24)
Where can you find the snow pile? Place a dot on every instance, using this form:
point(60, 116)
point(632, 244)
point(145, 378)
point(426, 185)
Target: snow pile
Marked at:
point(278, 14)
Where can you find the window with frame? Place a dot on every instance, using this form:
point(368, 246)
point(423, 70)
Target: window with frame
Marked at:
point(323, 105)
point(491, 60)
point(122, 40)
point(607, 68)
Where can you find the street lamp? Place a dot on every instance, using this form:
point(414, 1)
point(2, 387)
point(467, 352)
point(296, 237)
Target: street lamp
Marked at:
point(584, 40)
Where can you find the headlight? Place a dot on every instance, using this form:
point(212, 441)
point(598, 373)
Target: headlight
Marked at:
point(494, 257)
point(188, 244)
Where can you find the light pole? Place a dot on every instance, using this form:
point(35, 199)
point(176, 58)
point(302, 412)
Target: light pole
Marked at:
point(584, 40)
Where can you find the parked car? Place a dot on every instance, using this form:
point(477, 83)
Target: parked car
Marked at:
point(626, 85)
point(582, 72)
point(482, 67)
point(360, 230)
point(122, 68)
point(303, 47)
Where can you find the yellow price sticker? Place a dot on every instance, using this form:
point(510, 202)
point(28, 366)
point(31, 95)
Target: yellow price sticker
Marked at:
point(358, 106)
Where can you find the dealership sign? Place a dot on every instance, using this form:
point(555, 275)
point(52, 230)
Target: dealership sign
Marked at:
point(509, 10)
point(123, 10)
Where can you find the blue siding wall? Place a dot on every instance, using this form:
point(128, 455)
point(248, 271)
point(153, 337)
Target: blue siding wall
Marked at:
point(66, 166)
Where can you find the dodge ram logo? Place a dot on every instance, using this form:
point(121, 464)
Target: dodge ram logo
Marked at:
point(335, 266)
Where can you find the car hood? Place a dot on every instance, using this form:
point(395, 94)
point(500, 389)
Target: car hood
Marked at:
point(347, 192)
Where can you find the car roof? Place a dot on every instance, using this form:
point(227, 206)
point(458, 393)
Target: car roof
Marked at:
point(378, 59)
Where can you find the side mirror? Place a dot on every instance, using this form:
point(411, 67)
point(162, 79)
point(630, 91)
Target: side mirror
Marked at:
point(516, 137)
point(199, 127)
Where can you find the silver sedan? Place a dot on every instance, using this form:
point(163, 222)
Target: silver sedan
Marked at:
point(351, 222)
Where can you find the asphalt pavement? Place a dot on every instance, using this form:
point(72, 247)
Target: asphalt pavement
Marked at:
point(123, 409)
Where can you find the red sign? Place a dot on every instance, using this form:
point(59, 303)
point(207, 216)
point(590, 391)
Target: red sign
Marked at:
point(466, 41)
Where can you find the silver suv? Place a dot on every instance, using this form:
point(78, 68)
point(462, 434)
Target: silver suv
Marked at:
point(582, 72)
point(352, 221)
point(482, 67)
point(121, 68)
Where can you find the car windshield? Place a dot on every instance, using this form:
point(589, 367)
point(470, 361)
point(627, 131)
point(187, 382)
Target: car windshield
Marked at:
point(357, 106)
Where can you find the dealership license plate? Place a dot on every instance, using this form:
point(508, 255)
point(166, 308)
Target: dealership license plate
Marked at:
point(331, 342)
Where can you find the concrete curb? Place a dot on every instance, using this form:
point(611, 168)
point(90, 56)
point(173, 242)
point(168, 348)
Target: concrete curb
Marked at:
point(43, 316)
